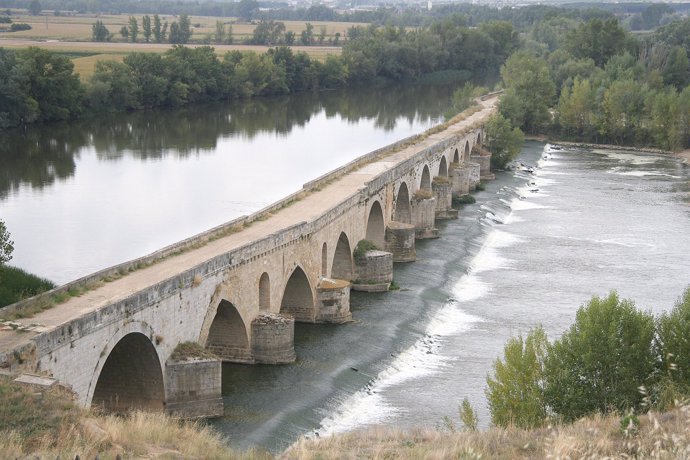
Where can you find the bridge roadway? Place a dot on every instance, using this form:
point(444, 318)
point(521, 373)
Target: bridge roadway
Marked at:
point(19, 354)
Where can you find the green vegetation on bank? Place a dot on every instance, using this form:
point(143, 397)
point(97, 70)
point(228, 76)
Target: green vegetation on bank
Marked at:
point(16, 284)
point(595, 82)
point(614, 359)
point(37, 85)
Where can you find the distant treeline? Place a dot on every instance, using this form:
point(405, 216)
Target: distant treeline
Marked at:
point(37, 85)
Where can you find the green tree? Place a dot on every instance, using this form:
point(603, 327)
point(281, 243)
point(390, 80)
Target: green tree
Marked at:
point(158, 36)
point(673, 342)
point(246, 9)
point(529, 91)
point(113, 87)
point(268, 32)
point(598, 40)
point(133, 29)
point(503, 141)
point(575, 109)
point(146, 26)
point(99, 32)
point(6, 244)
point(220, 32)
point(124, 31)
point(516, 391)
point(50, 81)
point(307, 35)
point(35, 7)
point(16, 106)
point(599, 363)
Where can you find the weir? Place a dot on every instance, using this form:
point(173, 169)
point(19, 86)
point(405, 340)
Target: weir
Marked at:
point(235, 291)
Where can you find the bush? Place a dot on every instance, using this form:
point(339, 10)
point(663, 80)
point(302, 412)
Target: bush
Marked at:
point(503, 141)
point(673, 343)
point(602, 360)
point(17, 26)
point(363, 247)
point(516, 391)
point(464, 199)
point(16, 284)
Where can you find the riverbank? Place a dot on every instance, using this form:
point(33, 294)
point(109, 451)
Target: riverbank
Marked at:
point(660, 435)
point(47, 424)
point(684, 155)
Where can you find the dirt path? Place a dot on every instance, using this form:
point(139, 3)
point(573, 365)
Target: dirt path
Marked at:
point(307, 209)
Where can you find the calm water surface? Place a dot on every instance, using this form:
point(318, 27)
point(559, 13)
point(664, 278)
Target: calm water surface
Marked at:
point(531, 250)
point(79, 197)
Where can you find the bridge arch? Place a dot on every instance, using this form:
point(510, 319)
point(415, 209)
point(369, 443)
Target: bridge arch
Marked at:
point(227, 336)
point(443, 167)
point(467, 150)
point(376, 229)
point(131, 376)
point(264, 292)
point(456, 156)
point(342, 259)
point(403, 210)
point(298, 297)
point(425, 183)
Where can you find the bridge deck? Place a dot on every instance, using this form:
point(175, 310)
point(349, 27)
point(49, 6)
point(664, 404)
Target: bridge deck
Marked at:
point(306, 209)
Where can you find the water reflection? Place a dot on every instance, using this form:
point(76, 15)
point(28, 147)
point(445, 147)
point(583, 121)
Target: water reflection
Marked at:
point(40, 155)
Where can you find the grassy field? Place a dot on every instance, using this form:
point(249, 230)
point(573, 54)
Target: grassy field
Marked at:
point(78, 27)
point(71, 35)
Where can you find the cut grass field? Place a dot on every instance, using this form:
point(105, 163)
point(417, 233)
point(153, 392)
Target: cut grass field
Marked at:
point(71, 35)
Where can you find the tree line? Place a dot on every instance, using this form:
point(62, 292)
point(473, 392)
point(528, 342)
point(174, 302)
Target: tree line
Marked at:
point(37, 85)
point(614, 358)
point(595, 82)
point(152, 30)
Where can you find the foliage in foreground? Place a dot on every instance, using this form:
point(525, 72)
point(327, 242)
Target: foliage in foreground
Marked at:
point(665, 435)
point(607, 362)
point(49, 425)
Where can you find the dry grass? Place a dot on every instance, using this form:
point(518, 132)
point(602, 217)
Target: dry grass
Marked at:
point(85, 66)
point(49, 425)
point(661, 436)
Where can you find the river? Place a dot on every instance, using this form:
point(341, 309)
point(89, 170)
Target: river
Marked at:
point(82, 196)
point(532, 248)
point(530, 251)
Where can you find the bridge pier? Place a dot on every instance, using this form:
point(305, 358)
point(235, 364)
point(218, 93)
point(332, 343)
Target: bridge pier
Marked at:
point(333, 301)
point(273, 339)
point(400, 239)
point(460, 179)
point(475, 175)
point(442, 189)
point(193, 388)
point(424, 217)
point(482, 157)
point(374, 271)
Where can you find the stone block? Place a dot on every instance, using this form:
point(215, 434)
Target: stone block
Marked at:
point(460, 180)
point(193, 388)
point(374, 271)
point(475, 175)
point(400, 241)
point(333, 301)
point(424, 217)
point(273, 339)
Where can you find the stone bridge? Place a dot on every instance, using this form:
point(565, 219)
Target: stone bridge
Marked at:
point(233, 293)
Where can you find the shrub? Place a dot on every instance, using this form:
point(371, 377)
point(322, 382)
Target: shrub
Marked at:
point(18, 26)
point(16, 284)
point(363, 247)
point(602, 360)
point(515, 393)
point(673, 343)
point(464, 199)
point(421, 195)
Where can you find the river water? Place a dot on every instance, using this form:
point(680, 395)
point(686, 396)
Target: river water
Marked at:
point(530, 251)
point(81, 196)
point(535, 246)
